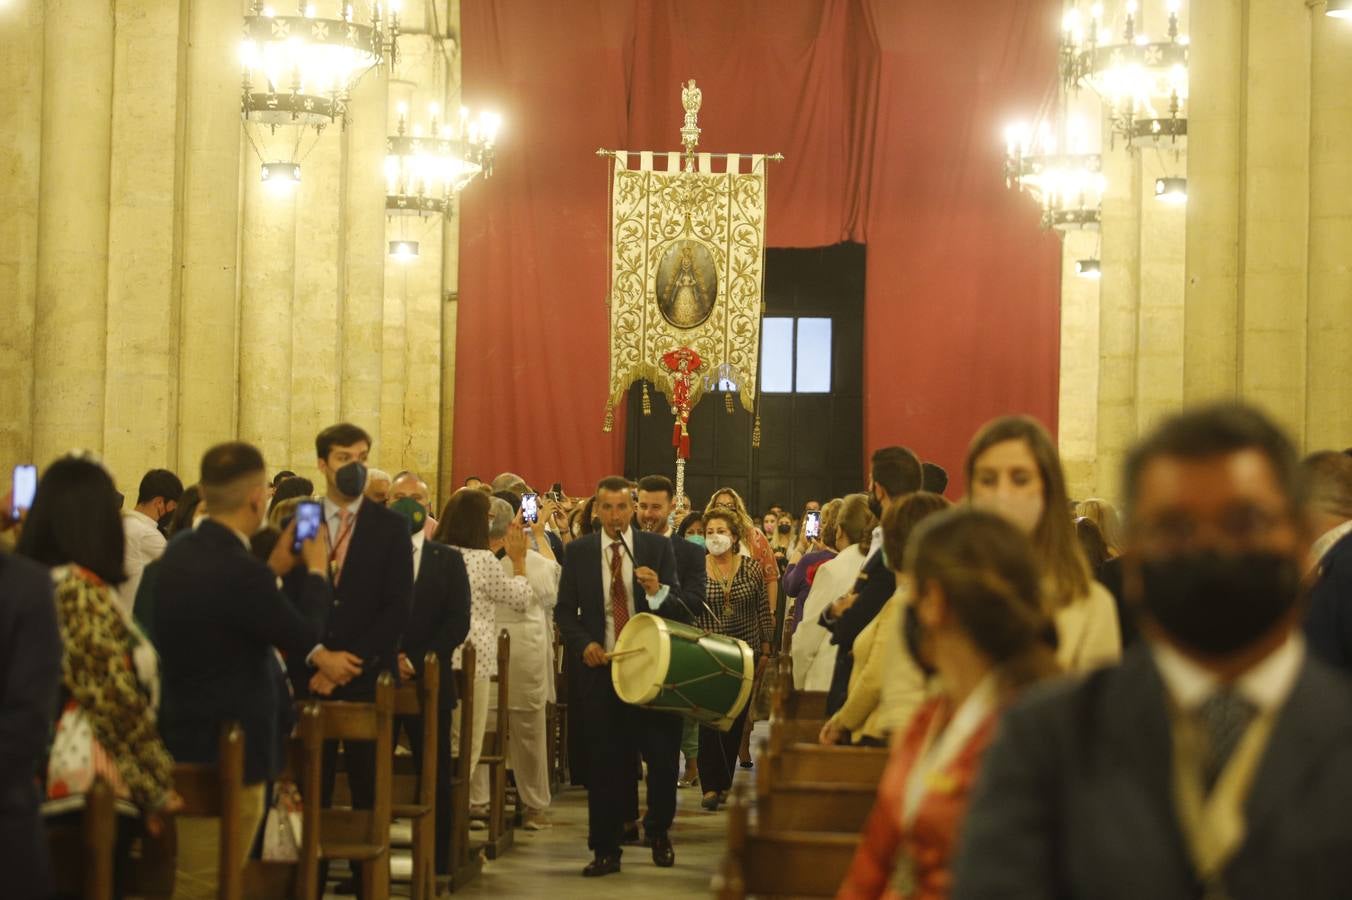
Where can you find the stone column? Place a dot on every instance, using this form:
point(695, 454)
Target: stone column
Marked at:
point(1159, 360)
point(449, 301)
point(1328, 403)
point(318, 287)
point(1078, 417)
point(72, 251)
point(1119, 293)
point(143, 254)
point(267, 280)
point(1276, 191)
point(363, 249)
point(209, 210)
point(1216, 122)
point(21, 45)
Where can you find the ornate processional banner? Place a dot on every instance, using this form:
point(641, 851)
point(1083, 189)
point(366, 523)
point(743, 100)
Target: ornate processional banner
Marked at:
point(687, 259)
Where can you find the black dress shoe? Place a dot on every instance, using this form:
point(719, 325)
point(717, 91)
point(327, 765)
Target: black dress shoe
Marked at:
point(601, 865)
point(631, 837)
point(710, 801)
point(663, 854)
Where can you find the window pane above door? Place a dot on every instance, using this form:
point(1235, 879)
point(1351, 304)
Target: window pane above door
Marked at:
point(777, 355)
point(814, 356)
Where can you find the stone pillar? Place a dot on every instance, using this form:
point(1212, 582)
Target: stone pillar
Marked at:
point(72, 250)
point(318, 286)
point(363, 248)
point(1328, 402)
point(1275, 213)
point(449, 301)
point(1159, 359)
point(209, 210)
point(1119, 294)
point(21, 45)
point(1078, 417)
point(1216, 123)
point(267, 279)
point(143, 253)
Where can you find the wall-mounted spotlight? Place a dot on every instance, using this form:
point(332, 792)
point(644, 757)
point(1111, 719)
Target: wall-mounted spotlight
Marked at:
point(1088, 268)
point(1171, 190)
point(404, 251)
point(1339, 9)
point(281, 173)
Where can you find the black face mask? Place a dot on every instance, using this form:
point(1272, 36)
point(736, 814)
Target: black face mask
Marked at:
point(875, 506)
point(785, 528)
point(1217, 603)
point(913, 633)
point(351, 479)
point(165, 521)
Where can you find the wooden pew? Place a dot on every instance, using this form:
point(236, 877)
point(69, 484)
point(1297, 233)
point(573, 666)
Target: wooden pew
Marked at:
point(840, 803)
point(466, 861)
point(363, 835)
point(414, 788)
point(494, 756)
point(215, 791)
point(765, 862)
point(267, 880)
point(81, 851)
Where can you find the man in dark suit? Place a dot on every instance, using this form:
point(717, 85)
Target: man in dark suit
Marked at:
point(218, 616)
point(608, 578)
point(1216, 760)
point(895, 474)
point(438, 622)
point(30, 678)
point(371, 566)
point(1328, 626)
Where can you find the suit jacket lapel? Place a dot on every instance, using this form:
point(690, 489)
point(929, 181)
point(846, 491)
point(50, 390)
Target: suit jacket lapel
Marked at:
point(1304, 733)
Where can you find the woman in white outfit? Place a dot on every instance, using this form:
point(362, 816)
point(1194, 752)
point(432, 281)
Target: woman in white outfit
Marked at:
point(530, 682)
point(464, 525)
point(814, 656)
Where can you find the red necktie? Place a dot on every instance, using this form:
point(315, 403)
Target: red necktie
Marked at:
point(619, 596)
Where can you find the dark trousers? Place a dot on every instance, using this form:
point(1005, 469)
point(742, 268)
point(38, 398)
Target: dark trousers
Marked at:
point(615, 733)
point(442, 816)
point(359, 758)
point(840, 680)
point(718, 754)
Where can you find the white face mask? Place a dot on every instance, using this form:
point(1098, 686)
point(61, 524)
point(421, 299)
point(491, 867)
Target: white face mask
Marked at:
point(1023, 511)
point(718, 544)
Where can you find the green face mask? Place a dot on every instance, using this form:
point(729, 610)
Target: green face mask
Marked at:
point(696, 539)
point(413, 511)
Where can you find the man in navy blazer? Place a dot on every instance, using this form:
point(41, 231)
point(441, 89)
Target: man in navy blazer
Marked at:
point(30, 680)
point(438, 623)
point(371, 566)
point(609, 577)
point(1216, 760)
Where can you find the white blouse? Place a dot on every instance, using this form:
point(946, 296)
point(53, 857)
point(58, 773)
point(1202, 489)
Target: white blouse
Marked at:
point(489, 586)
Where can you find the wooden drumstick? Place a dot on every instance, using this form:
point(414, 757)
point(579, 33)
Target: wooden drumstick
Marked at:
point(623, 653)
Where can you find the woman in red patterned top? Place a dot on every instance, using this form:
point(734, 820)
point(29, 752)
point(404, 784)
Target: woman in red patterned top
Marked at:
point(976, 621)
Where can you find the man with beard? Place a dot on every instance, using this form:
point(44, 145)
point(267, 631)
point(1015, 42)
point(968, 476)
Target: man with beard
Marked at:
point(1216, 760)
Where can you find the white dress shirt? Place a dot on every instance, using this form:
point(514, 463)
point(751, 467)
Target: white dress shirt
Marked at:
point(143, 545)
point(331, 515)
point(1266, 685)
point(419, 538)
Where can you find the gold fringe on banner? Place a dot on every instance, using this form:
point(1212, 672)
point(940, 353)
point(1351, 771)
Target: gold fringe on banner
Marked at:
point(647, 403)
point(727, 402)
point(609, 426)
point(756, 434)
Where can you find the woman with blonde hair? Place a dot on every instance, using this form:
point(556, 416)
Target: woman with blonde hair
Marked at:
point(976, 620)
point(1013, 469)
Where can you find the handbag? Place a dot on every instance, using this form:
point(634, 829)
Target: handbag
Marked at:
point(763, 692)
point(282, 828)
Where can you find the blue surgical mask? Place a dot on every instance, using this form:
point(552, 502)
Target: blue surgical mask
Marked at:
point(696, 539)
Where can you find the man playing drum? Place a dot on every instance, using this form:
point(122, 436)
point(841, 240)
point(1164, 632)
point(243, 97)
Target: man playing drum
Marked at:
point(608, 578)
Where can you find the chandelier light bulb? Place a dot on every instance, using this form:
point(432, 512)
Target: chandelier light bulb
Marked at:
point(1171, 190)
point(269, 12)
point(1339, 9)
point(1089, 268)
point(309, 10)
point(1096, 11)
point(404, 251)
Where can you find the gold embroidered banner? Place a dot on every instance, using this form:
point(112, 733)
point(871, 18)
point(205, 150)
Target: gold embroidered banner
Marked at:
point(687, 263)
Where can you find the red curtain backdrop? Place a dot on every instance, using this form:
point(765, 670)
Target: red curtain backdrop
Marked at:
point(889, 114)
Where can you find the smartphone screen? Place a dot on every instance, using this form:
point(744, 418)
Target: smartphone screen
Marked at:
point(309, 516)
point(530, 509)
point(25, 488)
point(812, 525)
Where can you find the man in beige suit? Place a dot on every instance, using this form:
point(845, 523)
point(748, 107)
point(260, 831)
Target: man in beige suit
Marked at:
point(1216, 760)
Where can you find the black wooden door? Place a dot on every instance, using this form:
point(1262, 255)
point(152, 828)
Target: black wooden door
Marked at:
point(811, 440)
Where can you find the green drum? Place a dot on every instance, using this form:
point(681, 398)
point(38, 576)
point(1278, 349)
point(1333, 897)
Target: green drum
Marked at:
point(664, 665)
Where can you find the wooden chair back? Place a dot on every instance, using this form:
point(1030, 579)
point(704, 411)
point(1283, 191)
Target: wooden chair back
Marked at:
point(466, 863)
point(371, 722)
point(265, 880)
point(775, 862)
point(215, 791)
point(418, 699)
